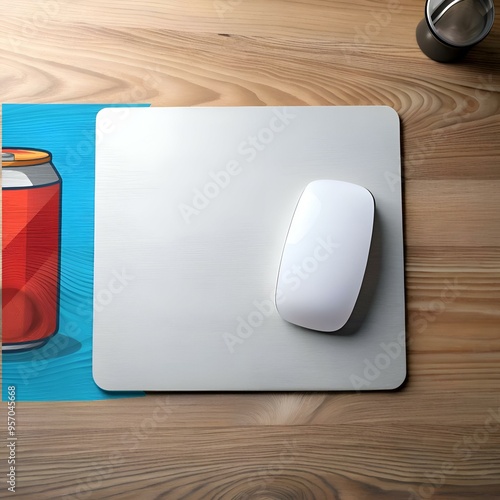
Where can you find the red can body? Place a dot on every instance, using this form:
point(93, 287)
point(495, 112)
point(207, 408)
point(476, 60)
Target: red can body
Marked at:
point(31, 228)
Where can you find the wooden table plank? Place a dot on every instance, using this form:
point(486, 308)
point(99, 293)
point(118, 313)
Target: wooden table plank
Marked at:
point(436, 437)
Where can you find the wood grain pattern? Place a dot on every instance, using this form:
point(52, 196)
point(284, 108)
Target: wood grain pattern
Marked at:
point(437, 437)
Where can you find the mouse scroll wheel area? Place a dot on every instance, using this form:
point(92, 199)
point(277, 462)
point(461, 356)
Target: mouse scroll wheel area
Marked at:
point(306, 213)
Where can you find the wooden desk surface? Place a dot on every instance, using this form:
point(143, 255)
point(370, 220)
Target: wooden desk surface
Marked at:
point(439, 436)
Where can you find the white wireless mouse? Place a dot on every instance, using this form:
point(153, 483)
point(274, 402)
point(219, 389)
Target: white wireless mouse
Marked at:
point(325, 255)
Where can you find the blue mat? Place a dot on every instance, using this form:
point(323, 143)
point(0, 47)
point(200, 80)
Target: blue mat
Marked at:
point(61, 370)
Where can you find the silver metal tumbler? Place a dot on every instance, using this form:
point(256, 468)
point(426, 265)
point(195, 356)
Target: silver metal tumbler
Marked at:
point(451, 27)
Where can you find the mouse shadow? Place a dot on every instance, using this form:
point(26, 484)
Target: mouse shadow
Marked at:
point(370, 283)
point(368, 288)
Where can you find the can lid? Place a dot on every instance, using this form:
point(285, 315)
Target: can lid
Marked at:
point(17, 157)
point(7, 157)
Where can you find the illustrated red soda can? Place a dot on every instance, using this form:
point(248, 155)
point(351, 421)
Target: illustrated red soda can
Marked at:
point(31, 228)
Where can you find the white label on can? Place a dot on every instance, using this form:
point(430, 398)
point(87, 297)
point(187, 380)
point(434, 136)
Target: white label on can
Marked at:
point(13, 179)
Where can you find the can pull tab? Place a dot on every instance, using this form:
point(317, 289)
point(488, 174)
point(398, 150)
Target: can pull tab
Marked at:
point(7, 157)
